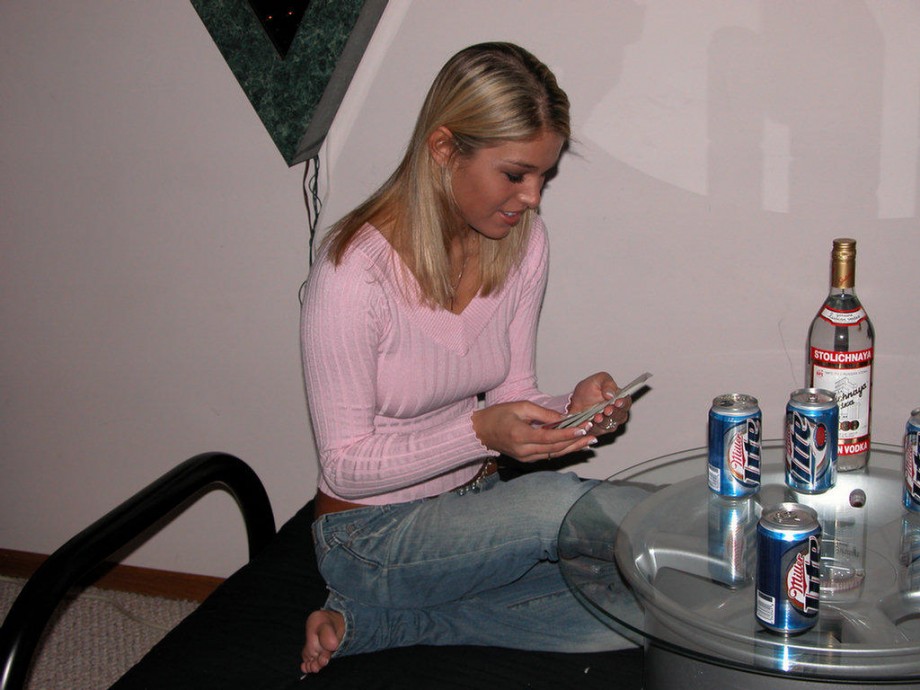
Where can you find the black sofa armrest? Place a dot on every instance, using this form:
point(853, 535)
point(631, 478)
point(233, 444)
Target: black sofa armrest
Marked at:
point(76, 559)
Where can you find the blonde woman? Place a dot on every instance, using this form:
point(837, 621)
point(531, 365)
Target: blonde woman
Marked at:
point(418, 328)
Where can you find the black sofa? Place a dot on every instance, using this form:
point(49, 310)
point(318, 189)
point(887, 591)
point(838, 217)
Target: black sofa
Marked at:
point(247, 635)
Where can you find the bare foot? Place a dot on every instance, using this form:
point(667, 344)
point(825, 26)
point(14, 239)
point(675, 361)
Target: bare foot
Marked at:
point(325, 630)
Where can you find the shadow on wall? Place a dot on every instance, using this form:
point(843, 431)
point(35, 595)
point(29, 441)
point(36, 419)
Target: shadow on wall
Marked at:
point(819, 93)
point(776, 107)
point(723, 151)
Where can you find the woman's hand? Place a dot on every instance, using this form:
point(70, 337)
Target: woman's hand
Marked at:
point(514, 430)
point(594, 389)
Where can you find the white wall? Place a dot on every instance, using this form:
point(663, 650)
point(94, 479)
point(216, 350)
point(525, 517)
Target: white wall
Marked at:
point(153, 244)
point(722, 145)
point(153, 239)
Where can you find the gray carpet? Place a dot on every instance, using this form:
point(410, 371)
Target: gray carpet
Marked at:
point(96, 636)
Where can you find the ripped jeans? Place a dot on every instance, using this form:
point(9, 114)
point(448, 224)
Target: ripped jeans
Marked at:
point(480, 568)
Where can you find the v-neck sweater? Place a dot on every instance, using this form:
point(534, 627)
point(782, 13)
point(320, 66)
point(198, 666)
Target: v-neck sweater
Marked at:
point(392, 383)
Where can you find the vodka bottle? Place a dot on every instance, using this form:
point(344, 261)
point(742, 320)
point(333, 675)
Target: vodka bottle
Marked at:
point(841, 344)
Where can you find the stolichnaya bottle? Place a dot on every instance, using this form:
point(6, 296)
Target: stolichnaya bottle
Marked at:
point(841, 343)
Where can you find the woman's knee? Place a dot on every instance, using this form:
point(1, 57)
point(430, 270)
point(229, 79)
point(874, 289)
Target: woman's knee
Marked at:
point(544, 498)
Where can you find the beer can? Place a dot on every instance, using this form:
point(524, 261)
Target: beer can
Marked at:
point(811, 440)
point(910, 553)
point(788, 568)
point(777, 654)
point(732, 526)
point(734, 445)
point(844, 517)
point(912, 462)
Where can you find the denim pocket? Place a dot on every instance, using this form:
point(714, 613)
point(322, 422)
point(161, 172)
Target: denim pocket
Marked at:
point(356, 538)
point(320, 546)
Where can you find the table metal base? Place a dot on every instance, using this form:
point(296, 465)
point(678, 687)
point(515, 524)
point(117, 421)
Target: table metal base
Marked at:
point(667, 670)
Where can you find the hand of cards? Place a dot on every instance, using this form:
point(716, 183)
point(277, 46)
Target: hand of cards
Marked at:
point(579, 418)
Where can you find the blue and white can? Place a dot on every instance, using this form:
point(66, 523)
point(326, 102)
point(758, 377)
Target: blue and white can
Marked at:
point(788, 568)
point(734, 445)
point(912, 462)
point(812, 418)
point(732, 525)
point(910, 553)
point(775, 653)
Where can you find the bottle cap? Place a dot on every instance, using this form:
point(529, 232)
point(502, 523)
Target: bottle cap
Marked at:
point(843, 262)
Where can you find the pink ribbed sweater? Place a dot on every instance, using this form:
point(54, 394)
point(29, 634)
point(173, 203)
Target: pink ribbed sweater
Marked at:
point(392, 384)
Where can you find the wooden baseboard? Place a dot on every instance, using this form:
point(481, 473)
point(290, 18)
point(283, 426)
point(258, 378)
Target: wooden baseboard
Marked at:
point(125, 578)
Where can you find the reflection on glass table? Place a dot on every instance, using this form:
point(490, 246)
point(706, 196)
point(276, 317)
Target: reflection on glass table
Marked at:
point(690, 558)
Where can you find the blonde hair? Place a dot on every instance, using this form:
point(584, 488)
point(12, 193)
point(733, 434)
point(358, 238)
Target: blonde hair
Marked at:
point(485, 95)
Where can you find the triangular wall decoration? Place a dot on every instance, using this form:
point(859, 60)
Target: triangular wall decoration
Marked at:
point(295, 95)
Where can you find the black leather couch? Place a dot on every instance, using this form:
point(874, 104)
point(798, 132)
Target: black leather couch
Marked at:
point(248, 634)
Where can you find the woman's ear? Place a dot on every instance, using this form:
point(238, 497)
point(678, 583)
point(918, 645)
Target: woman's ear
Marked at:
point(442, 146)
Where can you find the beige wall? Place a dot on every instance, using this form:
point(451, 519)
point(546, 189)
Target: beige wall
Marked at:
point(153, 239)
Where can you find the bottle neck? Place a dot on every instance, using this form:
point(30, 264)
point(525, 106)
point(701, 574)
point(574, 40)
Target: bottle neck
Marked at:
point(843, 275)
point(847, 293)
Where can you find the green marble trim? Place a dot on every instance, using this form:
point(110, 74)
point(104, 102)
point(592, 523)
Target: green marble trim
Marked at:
point(296, 97)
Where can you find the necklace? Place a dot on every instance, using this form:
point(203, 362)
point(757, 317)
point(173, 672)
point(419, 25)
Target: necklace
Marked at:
point(466, 260)
point(456, 287)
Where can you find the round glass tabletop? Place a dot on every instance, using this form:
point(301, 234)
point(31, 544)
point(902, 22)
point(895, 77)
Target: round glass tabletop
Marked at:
point(689, 557)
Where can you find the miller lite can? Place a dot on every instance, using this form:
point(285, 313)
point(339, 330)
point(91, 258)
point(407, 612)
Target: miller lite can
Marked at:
point(910, 553)
point(775, 653)
point(811, 440)
point(788, 568)
point(912, 462)
point(843, 515)
point(732, 524)
point(734, 445)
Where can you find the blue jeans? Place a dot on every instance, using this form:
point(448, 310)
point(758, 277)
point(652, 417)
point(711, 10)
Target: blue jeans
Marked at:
point(474, 569)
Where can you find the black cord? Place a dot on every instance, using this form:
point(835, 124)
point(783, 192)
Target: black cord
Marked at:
point(311, 198)
point(314, 205)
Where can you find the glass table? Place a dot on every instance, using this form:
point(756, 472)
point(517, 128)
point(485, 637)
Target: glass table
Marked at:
point(689, 557)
